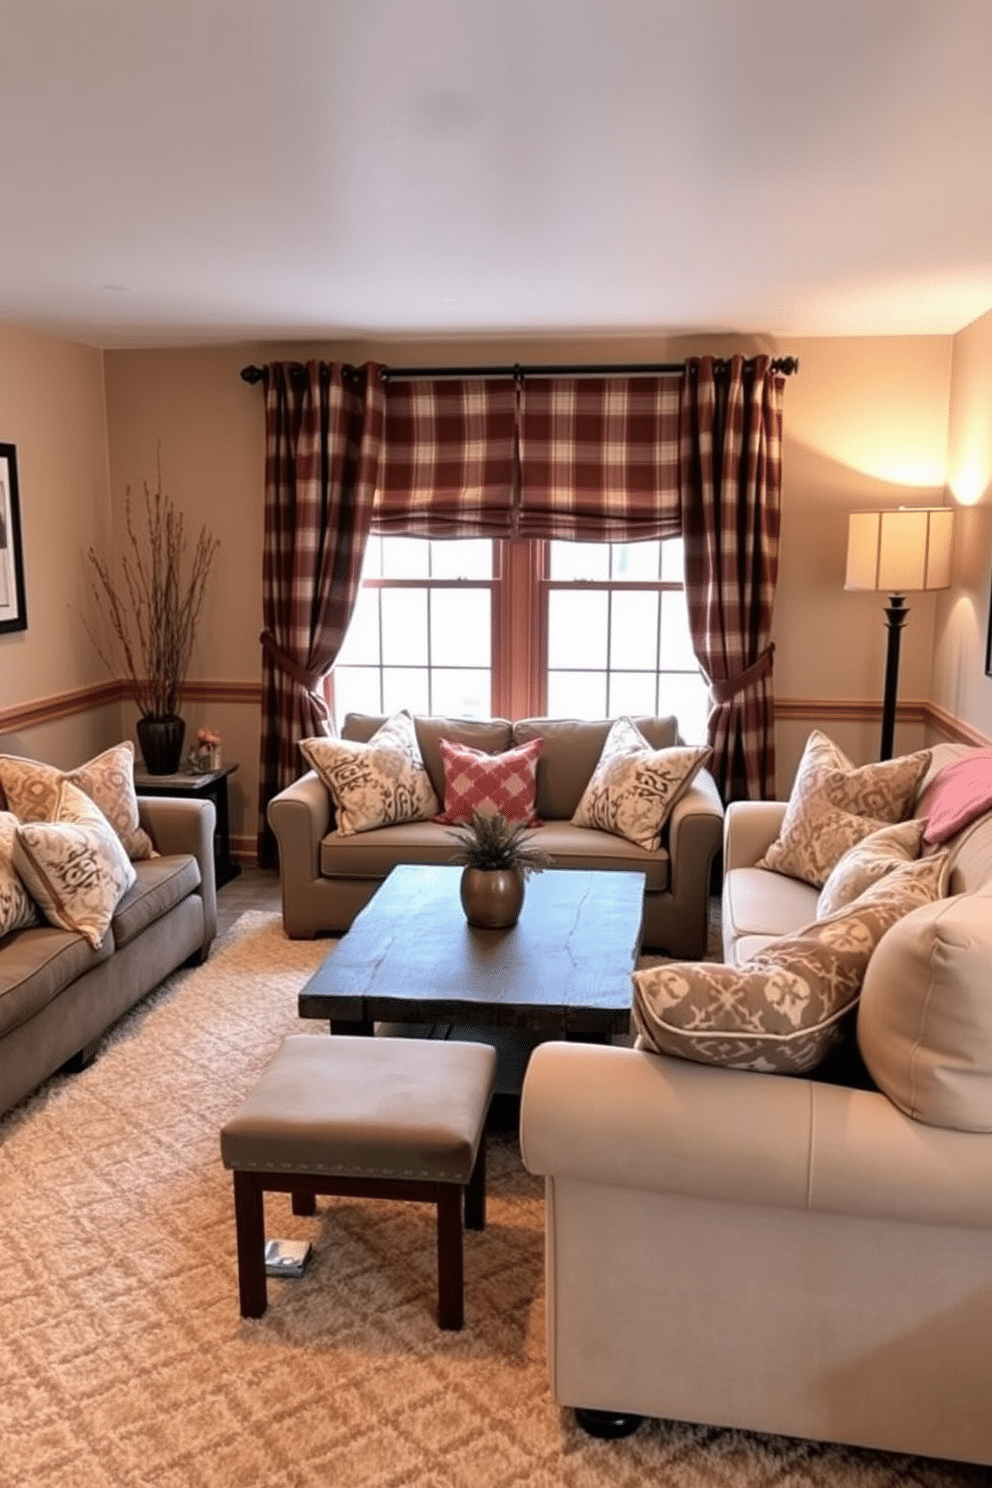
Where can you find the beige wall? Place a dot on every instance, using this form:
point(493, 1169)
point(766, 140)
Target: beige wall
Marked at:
point(959, 685)
point(52, 408)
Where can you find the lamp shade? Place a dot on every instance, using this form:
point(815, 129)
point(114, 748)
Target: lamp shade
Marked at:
point(900, 550)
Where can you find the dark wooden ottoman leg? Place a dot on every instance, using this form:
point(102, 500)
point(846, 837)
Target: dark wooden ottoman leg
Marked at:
point(249, 1220)
point(475, 1191)
point(450, 1312)
point(304, 1202)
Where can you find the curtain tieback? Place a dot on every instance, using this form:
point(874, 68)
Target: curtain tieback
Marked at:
point(307, 680)
point(723, 692)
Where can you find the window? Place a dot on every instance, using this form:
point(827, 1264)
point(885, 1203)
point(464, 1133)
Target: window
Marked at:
point(472, 628)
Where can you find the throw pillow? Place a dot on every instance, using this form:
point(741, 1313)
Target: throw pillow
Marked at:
point(634, 787)
point(475, 781)
point(74, 865)
point(376, 784)
point(17, 909)
point(835, 804)
point(957, 795)
point(32, 788)
point(782, 1011)
point(868, 861)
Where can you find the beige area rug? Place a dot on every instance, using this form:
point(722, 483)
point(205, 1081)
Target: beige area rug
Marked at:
point(125, 1361)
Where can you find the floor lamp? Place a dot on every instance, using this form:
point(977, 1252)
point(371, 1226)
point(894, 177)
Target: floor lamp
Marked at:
point(907, 548)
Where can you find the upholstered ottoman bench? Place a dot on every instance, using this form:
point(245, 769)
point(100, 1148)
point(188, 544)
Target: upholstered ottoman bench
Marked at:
point(381, 1118)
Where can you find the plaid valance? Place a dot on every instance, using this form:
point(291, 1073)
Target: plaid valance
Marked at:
point(599, 458)
point(448, 459)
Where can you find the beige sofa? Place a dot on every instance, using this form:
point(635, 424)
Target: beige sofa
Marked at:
point(326, 878)
point(776, 1253)
point(58, 996)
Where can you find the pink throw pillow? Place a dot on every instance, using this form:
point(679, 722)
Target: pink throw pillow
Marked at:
point(489, 783)
point(958, 793)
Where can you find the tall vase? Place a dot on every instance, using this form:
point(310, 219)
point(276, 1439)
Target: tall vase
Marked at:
point(161, 741)
point(492, 897)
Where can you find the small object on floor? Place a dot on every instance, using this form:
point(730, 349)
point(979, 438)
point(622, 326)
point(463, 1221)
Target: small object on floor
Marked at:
point(607, 1425)
point(286, 1257)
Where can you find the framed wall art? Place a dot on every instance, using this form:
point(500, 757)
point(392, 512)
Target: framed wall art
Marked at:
point(13, 610)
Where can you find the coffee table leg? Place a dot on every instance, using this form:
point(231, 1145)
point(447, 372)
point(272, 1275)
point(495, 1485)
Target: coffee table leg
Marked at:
point(360, 1027)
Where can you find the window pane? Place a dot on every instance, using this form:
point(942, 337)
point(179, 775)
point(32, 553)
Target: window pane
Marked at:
point(688, 698)
point(634, 630)
point(676, 642)
point(461, 627)
point(356, 690)
point(461, 693)
point(632, 692)
point(635, 561)
point(372, 562)
point(577, 628)
point(577, 695)
point(361, 642)
point(579, 560)
point(404, 627)
point(405, 687)
point(462, 558)
point(673, 560)
point(405, 557)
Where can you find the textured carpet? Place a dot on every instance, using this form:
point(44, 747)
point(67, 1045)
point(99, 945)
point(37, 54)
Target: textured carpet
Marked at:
point(125, 1361)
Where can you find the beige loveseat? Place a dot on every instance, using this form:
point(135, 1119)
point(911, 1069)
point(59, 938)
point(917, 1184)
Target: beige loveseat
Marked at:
point(779, 1253)
point(58, 995)
point(327, 878)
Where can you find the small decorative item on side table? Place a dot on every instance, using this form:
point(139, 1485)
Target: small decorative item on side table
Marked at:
point(198, 783)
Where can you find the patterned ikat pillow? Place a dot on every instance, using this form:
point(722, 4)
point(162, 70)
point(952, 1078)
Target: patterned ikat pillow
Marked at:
point(868, 861)
point(835, 804)
point(377, 784)
point(782, 1011)
point(32, 790)
point(17, 909)
point(634, 787)
point(503, 783)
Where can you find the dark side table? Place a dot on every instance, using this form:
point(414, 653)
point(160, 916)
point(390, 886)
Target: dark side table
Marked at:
point(212, 784)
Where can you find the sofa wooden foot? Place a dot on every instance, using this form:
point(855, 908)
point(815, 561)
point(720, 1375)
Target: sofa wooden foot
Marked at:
point(607, 1425)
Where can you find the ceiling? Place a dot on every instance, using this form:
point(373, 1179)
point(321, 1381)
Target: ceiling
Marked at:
point(190, 171)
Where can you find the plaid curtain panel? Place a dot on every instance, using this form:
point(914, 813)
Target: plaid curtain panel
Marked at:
point(323, 440)
point(447, 469)
point(599, 458)
point(731, 479)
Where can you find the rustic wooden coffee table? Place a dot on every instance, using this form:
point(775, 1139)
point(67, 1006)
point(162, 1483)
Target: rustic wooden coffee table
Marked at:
point(410, 957)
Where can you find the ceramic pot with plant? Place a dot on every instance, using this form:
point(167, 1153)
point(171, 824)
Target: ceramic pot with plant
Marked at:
point(151, 611)
point(496, 857)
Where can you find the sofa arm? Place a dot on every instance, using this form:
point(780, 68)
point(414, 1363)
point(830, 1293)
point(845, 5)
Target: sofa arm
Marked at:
point(695, 828)
point(300, 817)
point(183, 825)
point(627, 1118)
point(749, 829)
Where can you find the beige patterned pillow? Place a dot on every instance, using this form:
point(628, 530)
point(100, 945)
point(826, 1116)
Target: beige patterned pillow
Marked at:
point(17, 909)
point(868, 861)
point(783, 1010)
point(835, 804)
point(634, 787)
point(375, 784)
point(74, 865)
point(31, 789)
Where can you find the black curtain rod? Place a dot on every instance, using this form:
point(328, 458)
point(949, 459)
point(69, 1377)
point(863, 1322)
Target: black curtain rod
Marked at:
point(785, 365)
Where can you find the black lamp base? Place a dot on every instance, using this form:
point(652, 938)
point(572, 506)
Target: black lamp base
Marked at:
point(895, 613)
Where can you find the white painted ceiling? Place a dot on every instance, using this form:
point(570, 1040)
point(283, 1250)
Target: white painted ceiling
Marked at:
point(187, 171)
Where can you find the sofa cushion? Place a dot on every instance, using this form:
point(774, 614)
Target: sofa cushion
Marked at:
point(504, 783)
point(35, 967)
point(784, 1010)
point(959, 794)
point(759, 902)
point(488, 734)
point(74, 866)
point(572, 747)
point(634, 787)
point(834, 804)
point(925, 1020)
point(17, 908)
point(868, 861)
point(108, 779)
point(160, 884)
point(378, 783)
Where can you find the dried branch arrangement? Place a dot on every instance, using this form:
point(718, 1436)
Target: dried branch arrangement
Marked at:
point(153, 611)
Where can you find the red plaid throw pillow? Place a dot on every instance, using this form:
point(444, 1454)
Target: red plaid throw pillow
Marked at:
point(476, 781)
